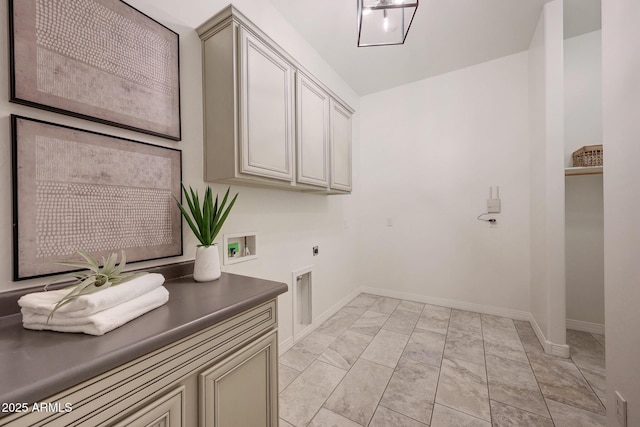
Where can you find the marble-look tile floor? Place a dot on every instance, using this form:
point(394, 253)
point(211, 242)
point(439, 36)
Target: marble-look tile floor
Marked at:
point(383, 362)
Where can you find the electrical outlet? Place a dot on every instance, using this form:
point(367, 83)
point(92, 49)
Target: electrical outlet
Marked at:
point(621, 410)
point(315, 251)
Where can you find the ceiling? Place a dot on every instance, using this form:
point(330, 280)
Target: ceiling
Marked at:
point(445, 35)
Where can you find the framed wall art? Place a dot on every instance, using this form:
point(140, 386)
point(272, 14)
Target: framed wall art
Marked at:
point(79, 190)
point(100, 60)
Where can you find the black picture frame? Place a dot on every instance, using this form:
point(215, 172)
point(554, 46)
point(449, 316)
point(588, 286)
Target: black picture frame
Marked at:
point(75, 189)
point(99, 60)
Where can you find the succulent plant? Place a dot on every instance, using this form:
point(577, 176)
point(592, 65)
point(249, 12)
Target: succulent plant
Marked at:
point(96, 279)
point(205, 221)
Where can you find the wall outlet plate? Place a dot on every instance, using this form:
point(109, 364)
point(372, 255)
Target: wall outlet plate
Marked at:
point(315, 251)
point(621, 410)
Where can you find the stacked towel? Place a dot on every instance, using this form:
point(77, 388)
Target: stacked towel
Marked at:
point(96, 313)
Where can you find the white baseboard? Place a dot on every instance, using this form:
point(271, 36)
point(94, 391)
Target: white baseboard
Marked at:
point(285, 345)
point(579, 325)
point(560, 350)
point(288, 343)
point(336, 307)
point(459, 305)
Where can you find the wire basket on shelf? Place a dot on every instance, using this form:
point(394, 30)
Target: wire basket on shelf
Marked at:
point(589, 155)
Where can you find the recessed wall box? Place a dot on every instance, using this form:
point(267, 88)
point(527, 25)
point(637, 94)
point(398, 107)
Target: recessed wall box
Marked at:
point(240, 247)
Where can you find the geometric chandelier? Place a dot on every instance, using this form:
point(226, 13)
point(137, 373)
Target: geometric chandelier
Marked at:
point(384, 22)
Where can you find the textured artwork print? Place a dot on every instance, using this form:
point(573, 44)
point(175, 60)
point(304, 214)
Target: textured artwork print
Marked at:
point(101, 60)
point(78, 190)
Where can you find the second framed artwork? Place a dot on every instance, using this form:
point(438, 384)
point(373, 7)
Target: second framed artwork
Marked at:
point(100, 60)
point(79, 190)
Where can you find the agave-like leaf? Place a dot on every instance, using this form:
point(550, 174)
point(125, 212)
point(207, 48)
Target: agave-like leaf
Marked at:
point(110, 264)
point(197, 215)
point(79, 264)
point(123, 262)
point(206, 219)
point(193, 227)
point(75, 292)
point(96, 280)
point(215, 214)
point(91, 261)
point(207, 210)
point(223, 218)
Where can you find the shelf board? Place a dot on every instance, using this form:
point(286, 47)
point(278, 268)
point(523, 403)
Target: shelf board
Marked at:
point(590, 170)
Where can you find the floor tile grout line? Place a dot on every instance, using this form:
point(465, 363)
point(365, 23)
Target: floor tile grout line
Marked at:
point(337, 385)
point(465, 413)
point(394, 371)
point(544, 399)
point(345, 375)
point(287, 386)
point(591, 387)
point(486, 369)
point(379, 364)
point(527, 411)
point(597, 340)
point(397, 412)
point(446, 335)
point(548, 398)
point(413, 329)
point(316, 359)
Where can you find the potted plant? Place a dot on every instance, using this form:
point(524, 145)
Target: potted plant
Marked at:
point(96, 279)
point(206, 221)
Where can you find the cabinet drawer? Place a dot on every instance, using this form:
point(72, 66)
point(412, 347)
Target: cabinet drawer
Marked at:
point(103, 399)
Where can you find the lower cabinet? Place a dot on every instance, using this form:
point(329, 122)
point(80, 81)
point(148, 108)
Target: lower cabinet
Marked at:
point(224, 376)
point(167, 411)
point(242, 390)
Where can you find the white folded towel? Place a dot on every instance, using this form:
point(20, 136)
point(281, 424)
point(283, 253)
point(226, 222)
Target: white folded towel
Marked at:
point(85, 305)
point(101, 322)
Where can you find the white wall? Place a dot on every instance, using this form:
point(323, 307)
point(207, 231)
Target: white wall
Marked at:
point(288, 223)
point(547, 180)
point(584, 224)
point(582, 92)
point(621, 127)
point(584, 229)
point(433, 148)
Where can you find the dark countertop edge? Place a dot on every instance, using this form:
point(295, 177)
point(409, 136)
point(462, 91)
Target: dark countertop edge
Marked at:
point(9, 299)
point(55, 383)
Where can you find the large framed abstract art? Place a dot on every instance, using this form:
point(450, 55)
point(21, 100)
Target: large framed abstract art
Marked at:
point(79, 190)
point(100, 60)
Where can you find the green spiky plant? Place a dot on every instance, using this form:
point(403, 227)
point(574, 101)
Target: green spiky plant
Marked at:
point(96, 279)
point(205, 221)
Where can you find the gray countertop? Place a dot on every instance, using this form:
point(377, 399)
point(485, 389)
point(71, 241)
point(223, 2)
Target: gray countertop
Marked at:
point(37, 364)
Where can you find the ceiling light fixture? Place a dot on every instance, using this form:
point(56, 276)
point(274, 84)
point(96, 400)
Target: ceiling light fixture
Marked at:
point(384, 22)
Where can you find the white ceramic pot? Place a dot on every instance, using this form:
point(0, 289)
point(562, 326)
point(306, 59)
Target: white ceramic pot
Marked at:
point(207, 265)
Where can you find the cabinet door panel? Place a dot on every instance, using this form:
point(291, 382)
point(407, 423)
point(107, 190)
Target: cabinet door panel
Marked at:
point(340, 147)
point(167, 411)
point(312, 121)
point(242, 390)
point(266, 110)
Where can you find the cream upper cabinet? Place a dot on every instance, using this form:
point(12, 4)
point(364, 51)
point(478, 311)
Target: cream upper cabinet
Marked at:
point(340, 147)
point(312, 126)
point(267, 121)
point(266, 110)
